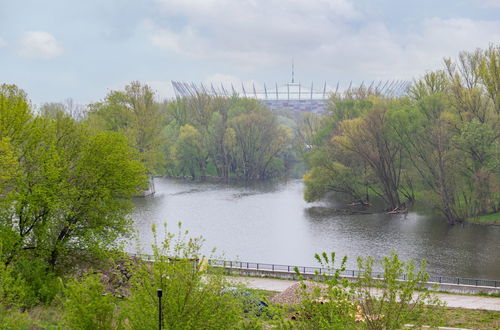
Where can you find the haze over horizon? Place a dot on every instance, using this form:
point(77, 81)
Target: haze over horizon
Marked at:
point(58, 49)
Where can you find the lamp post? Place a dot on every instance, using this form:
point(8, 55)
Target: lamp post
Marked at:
point(159, 293)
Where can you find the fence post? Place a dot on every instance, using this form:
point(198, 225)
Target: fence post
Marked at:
point(257, 266)
point(273, 267)
point(458, 280)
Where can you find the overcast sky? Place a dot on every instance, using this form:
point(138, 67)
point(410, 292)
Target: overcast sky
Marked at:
point(58, 49)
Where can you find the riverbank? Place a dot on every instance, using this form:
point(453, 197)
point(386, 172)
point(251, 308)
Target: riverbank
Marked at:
point(489, 219)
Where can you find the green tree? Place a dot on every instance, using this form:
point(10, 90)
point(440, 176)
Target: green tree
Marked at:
point(259, 140)
point(72, 188)
point(424, 131)
point(190, 153)
point(135, 113)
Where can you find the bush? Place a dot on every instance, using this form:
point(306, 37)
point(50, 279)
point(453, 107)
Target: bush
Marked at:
point(327, 305)
point(43, 284)
point(14, 290)
point(192, 298)
point(86, 305)
point(388, 301)
point(382, 302)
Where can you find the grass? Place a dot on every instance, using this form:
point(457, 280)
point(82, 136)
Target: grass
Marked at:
point(489, 219)
point(470, 319)
point(50, 317)
point(452, 317)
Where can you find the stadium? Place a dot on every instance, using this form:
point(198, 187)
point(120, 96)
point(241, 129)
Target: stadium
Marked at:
point(292, 95)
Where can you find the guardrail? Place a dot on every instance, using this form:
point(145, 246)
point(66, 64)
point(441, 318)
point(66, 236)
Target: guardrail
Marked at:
point(350, 273)
point(307, 270)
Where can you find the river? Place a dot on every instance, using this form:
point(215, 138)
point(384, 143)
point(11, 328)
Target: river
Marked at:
point(271, 223)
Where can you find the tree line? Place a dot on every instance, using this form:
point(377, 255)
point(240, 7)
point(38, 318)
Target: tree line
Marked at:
point(438, 144)
point(197, 136)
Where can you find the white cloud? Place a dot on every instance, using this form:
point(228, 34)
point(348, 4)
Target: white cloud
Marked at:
point(251, 32)
point(490, 3)
point(3, 43)
point(329, 36)
point(39, 45)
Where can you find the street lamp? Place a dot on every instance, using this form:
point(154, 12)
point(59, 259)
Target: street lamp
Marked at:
point(159, 293)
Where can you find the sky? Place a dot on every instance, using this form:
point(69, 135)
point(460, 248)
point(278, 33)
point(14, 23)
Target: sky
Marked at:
point(59, 49)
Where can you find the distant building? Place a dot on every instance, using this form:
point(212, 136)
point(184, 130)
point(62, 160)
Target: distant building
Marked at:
point(290, 96)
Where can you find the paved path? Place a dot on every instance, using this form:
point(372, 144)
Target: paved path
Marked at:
point(452, 300)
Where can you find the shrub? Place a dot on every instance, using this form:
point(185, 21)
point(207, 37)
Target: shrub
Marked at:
point(327, 305)
point(14, 290)
point(397, 296)
point(86, 305)
point(192, 298)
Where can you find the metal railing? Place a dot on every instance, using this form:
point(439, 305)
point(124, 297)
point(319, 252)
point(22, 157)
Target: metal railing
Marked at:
point(308, 270)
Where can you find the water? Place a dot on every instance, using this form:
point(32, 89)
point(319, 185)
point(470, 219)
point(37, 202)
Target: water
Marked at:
point(271, 223)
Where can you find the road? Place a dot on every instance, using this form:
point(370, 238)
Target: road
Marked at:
point(451, 300)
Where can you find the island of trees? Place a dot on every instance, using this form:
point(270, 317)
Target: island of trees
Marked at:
point(440, 144)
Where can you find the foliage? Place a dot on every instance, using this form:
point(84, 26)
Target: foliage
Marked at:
point(134, 113)
point(87, 306)
point(392, 299)
point(328, 305)
point(381, 302)
point(197, 136)
point(493, 218)
point(189, 151)
point(191, 298)
point(14, 319)
point(14, 291)
point(64, 192)
point(439, 142)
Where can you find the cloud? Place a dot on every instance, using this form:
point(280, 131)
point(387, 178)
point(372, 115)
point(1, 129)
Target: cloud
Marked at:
point(376, 52)
point(250, 32)
point(490, 3)
point(328, 36)
point(39, 45)
point(3, 43)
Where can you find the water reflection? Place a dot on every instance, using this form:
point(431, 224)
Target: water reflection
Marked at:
point(270, 222)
